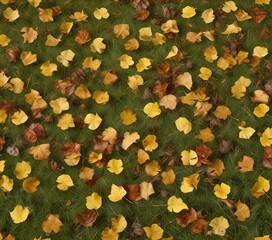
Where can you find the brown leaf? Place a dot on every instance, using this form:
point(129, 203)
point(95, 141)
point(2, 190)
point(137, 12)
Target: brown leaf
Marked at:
point(52, 223)
point(225, 146)
point(267, 157)
point(13, 150)
point(70, 148)
point(258, 14)
point(163, 67)
point(199, 226)
point(133, 192)
point(78, 75)
point(86, 218)
point(56, 10)
point(2, 142)
point(8, 106)
point(137, 230)
point(66, 87)
point(246, 165)
point(34, 132)
point(186, 217)
point(268, 88)
point(160, 89)
point(169, 11)
point(12, 53)
point(140, 4)
point(83, 36)
point(203, 152)
point(265, 33)
point(142, 15)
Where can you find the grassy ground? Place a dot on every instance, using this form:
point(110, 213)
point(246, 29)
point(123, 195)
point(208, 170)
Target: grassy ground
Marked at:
point(48, 199)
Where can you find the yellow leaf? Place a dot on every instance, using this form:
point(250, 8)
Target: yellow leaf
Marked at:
point(266, 137)
point(65, 57)
point(82, 92)
point(6, 183)
point(19, 214)
point(146, 190)
point(242, 57)
point(66, 27)
point(15, 85)
point(145, 34)
point(210, 54)
point(121, 31)
point(125, 61)
point(98, 45)
point(222, 190)
point(216, 167)
point(266, 237)
point(184, 79)
point(242, 211)
point(52, 224)
point(158, 39)
point(66, 121)
point(168, 177)
point(194, 37)
point(205, 73)
point(64, 182)
point(91, 63)
point(115, 166)
point(94, 157)
point(128, 117)
point(58, 105)
point(30, 34)
point(135, 81)
point(189, 157)
point(119, 223)
point(10, 14)
point(117, 193)
point(142, 156)
point(4, 40)
point(48, 68)
point(149, 143)
point(109, 234)
point(175, 204)
point(209, 35)
point(261, 110)
point(34, 3)
point(3, 78)
point(40, 152)
point(153, 168)
point(205, 135)
point(229, 6)
point(189, 183)
point(3, 116)
point(238, 91)
point(183, 125)
point(208, 15)
point(94, 201)
point(101, 97)
point(152, 109)
point(260, 96)
point(86, 174)
point(260, 51)
point(22, 170)
point(79, 16)
point(110, 135)
point(132, 44)
point(46, 15)
point(51, 41)
point(232, 28)
point(262, 2)
point(169, 101)
point(241, 15)
point(222, 112)
point(173, 52)
point(129, 139)
point(188, 12)
point(246, 165)
point(170, 27)
point(219, 225)
point(100, 13)
point(19, 117)
point(246, 133)
point(154, 232)
point(260, 187)
point(31, 184)
point(143, 64)
point(110, 77)
point(93, 121)
point(2, 165)
point(28, 58)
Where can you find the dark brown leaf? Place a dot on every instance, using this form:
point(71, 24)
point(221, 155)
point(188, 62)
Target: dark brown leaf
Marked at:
point(225, 146)
point(133, 192)
point(168, 11)
point(160, 89)
point(137, 229)
point(163, 67)
point(186, 217)
point(71, 148)
point(83, 36)
point(142, 15)
point(140, 4)
point(199, 226)
point(203, 152)
point(86, 218)
point(12, 53)
point(258, 14)
point(34, 132)
point(2, 142)
point(265, 33)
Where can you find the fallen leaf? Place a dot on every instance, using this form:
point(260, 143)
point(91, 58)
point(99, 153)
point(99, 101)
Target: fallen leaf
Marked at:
point(175, 204)
point(52, 224)
point(19, 214)
point(242, 211)
point(219, 225)
point(154, 232)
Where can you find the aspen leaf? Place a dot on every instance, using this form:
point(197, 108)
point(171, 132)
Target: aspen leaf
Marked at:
point(260, 187)
point(143, 64)
point(189, 157)
point(222, 190)
point(173, 52)
point(128, 117)
point(145, 34)
point(262, 2)
point(100, 13)
point(46, 15)
point(3, 79)
point(4, 40)
point(246, 165)
point(91, 63)
point(115, 166)
point(29, 34)
point(79, 16)
point(51, 41)
point(266, 137)
point(82, 92)
point(121, 31)
point(129, 139)
point(205, 135)
point(222, 112)
point(154, 232)
point(64, 182)
point(210, 54)
point(149, 143)
point(152, 168)
point(266, 237)
point(142, 156)
point(109, 234)
point(31, 184)
point(189, 183)
point(175, 204)
point(188, 12)
point(66, 27)
point(47, 68)
point(3, 116)
point(58, 105)
point(22, 170)
point(117, 193)
point(52, 224)
point(110, 77)
point(185, 79)
point(34, 3)
point(10, 14)
point(246, 132)
point(19, 117)
point(260, 110)
point(146, 190)
point(260, 51)
point(2, 165)
point(94, 201)
point(65, 57)
point(86, 174)
point(28, 58)
point(6, 183)
point(241, 15)
point(125, 61)
point(219, 225)
point(132, 44)
point(194, 37)
point(168, 177)
point(98, 45)
point(152, 109)
point(40, 152)
point(16, 85)
point(168, 101)
point(208, 15)
point(260, 96)
point(232, 29)
point(242, 211)
point(19, 214)
point(135, 81)
point(183, 125)
point(159, 39)
point(170, 26)
point(216, 167)
point(66, 121)
point(119, 223)
point(110, 135)
point(229, 6)
point(205, 73)
point(94, 157)
point(93, 121)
